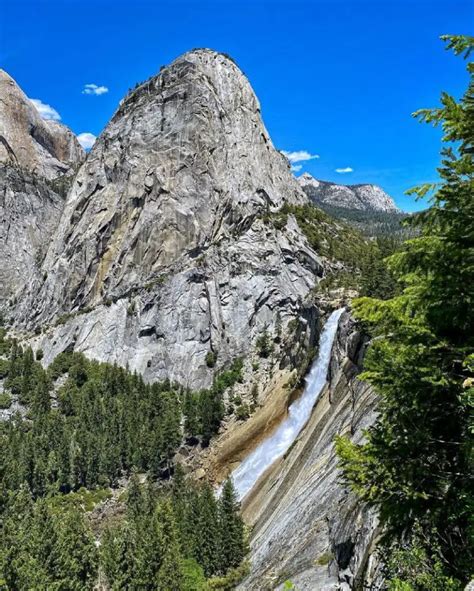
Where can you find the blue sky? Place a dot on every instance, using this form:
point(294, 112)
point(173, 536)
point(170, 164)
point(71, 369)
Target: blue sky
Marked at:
point(335, 78)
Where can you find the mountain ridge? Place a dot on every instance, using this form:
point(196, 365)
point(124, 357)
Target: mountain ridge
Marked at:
point(360, 196)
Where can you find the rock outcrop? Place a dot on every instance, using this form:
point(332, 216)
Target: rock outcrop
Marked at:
point(45, 148)
point(29, 213)
point(164, 251)
point(307, 528)
point(370, 198)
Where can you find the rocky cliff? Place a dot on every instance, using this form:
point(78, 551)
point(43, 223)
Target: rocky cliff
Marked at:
point(164, 251)
point(46, 148)
point(37, 158)
point(369, 198)
point(306, 527)
point(29, 213)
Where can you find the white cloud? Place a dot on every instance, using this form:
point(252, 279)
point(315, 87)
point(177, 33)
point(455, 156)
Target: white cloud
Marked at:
point(296, 167)
point(344, 170)
point(299, 156)
point(86, 140)
point(94, 89)
point(46, 111)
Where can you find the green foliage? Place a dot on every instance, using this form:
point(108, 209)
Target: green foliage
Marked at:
point(364, 266)
point(231, 579)
point(45, 546)
point(211, 358)
point(107, 421)
point(375, 224)
point(333, 239)
point(376, 280)
point(242, 412)
point(264, 344)
point(232, 537)
point(5, 400)
point(204, 410)
point(415, 565)
point(172, 539)
point(417, 462)
point(193, 576)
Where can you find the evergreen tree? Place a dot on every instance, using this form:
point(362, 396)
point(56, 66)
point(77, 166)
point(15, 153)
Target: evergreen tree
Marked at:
point(232, 535)
point(417, 462)
point(135, 500)
point(208, 549)
point(41, 403)
point(170, 575)
point(117, 557)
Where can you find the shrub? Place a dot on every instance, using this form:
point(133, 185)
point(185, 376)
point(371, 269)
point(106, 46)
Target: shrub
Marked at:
point(264, 344)
point(5, 400)
point(4, 367)
point(242, 412)
point(211, 358)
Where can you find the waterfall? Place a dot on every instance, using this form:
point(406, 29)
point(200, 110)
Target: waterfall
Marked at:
point(250, 470)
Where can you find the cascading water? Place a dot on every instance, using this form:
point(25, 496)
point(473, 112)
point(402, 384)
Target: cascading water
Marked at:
point(250, 470)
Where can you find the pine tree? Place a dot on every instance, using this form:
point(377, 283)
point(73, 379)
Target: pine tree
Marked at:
point(135, 499)
point(417, 462)
point(117, 557)
point(75, 564)
point(208, 548)
point(170, 575)
point(41, 403)
point(232, 537)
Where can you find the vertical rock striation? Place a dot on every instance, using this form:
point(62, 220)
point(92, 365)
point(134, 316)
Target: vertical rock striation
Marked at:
point(164, 251)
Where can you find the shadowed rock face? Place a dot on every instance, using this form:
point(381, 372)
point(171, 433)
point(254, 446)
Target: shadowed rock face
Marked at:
point(46, 148)
point(360, 197)
point(163, 243)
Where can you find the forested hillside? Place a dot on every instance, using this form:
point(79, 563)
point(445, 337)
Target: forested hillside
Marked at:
point(82, 427)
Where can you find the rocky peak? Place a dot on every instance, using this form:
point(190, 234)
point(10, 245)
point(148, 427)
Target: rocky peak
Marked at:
point(306, 180)
point(363, 197)
point(162, 247)
point(46, 148)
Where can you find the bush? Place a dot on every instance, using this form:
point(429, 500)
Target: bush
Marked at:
point(4, 367)
point(231, 579)
point(264, 344)
point(5, 400)
point(242, 412)
point(211, 358)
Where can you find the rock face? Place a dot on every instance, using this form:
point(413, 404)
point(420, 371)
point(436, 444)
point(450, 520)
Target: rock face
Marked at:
point(360, 197)
point(29, 213)
point(164, 251)
point(46, 148)
point(306, 527)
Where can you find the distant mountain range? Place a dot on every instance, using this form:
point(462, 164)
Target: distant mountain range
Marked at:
point(365, 206)
point(364, 197)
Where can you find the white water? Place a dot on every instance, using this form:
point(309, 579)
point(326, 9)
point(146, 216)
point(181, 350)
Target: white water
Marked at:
point(250, 470)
